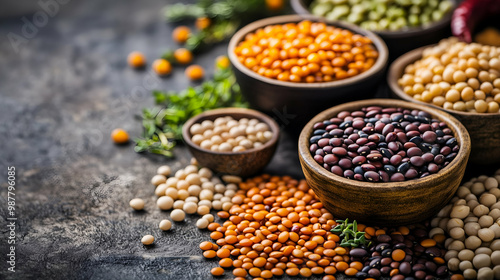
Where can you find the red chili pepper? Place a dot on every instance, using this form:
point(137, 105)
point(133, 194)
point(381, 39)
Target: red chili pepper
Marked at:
point(469, 13)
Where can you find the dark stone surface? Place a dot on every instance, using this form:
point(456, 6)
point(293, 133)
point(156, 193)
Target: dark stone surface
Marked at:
point(62, 93)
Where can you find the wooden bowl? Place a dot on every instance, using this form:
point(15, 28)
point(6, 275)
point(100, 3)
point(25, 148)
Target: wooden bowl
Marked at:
point(295, 103)
point(242, 164)
point(392, 203)
point(484, 129)
point(399, 41)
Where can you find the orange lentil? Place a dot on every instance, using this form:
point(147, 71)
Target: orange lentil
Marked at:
point(183, 56)
point(209, 254)
point(398, 255)
point(205, 245)
point(217, 271)
point(194, 72)
point(254, 271)
point(223, 253)
point(226, 262)
point(239, 272)
point(329, 277)
point(136, 59)
point(305, 44)
point(341, 266)
point(350, 271)
point(426, 243)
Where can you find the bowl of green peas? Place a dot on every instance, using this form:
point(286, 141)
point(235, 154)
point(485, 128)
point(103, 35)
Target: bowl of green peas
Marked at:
point(403, 24)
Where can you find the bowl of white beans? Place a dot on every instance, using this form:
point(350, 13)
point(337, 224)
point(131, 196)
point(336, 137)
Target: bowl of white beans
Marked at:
point(461, 79)
point(235, 141)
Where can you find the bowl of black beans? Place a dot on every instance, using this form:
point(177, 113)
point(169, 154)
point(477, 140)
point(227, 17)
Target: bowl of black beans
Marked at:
point(384, 161)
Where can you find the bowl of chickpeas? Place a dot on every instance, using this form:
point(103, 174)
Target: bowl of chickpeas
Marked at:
point(402, 24)
point(233, 141)
point(293, 67)
point(461, 79)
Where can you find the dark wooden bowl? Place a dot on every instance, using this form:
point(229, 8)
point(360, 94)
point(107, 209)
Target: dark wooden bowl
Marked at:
point(393, 203)
point(244, 163)
point(484, 129)
point(399, 41)
point(295, 103)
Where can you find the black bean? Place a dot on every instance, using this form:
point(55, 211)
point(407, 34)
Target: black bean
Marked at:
point(451, 142)
point(361, 275)
point(386, 152)
point(416, 139)
point(386, 253)
point(403, 167)
point(389, 169)
point(319, 132)
point(314, 139)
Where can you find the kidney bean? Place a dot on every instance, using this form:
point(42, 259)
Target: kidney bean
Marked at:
point(380, 138)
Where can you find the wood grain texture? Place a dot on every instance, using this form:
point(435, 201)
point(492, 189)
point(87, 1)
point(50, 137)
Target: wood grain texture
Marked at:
point(244, 163)
point(304, 100)
point(391, 203)
point(484, 129)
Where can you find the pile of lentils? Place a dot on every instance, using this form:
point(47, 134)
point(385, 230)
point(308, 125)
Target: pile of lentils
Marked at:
point(401, 253)
point(226, 134)
point(472, 222)
point(307, 52)
point(192, 190)
point(276, 226)
point(383, 15)
point(383, 144)
point(456, 76)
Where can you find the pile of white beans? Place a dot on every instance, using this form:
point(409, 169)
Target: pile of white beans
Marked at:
point(472, 222)
point(226, 134)
point(190, 191)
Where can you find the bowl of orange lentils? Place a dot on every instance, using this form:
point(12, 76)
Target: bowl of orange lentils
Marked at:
point(295, 66)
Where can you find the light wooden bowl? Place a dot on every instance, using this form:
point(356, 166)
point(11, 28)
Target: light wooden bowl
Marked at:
point(244, 163)
point(484, 129)
point(392, 203)
point(295, 103)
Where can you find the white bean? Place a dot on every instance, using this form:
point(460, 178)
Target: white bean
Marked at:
point(137, 204)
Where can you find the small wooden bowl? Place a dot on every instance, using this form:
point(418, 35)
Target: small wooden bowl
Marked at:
point(484, 129)
point(242, 164)
point(295, 103)
point(399, 41)
point(392, 203)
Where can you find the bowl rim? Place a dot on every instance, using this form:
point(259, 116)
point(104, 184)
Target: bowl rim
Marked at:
point(299, 7)
point(461, 134)
point(229, 111)
point(396, 70)
point(379, 44)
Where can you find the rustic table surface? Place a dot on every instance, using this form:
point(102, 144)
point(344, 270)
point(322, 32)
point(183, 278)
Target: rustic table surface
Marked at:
point(64, 86)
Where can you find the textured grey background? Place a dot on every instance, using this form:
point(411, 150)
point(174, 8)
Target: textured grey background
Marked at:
point(62, 94)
